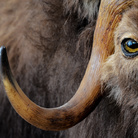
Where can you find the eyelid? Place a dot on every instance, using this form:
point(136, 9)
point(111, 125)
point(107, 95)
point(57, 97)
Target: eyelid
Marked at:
point(128, 35)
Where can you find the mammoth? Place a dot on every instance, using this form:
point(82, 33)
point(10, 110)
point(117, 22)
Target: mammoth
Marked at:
point(77, 61)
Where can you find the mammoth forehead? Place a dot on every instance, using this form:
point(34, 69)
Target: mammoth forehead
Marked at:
point(131, 19)
point(128, 24)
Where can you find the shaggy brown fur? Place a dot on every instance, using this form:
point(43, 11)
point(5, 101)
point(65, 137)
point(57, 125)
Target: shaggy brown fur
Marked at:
point(49, 44)
point(84, 8)
point(48, 49)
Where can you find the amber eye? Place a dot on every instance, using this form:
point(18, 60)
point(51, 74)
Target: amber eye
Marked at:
point(129, 47)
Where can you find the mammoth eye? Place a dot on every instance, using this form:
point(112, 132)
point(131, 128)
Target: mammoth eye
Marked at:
point(129, 47)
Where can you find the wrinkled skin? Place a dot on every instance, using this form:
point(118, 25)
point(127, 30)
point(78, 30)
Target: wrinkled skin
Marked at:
point(49, 44)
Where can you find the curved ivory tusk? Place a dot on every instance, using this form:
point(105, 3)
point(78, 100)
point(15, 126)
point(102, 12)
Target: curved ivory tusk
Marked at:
point(83, 102)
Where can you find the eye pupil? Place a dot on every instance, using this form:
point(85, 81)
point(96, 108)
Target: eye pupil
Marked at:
point(131, 43)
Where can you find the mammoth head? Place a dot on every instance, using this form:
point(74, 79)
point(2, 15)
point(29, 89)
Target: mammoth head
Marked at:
point(89, 92)
point(122, 66)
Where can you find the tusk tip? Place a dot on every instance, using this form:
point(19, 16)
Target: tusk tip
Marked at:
point(4, 64)
point(2, 52)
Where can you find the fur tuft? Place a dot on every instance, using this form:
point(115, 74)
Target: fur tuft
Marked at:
point(84, 8)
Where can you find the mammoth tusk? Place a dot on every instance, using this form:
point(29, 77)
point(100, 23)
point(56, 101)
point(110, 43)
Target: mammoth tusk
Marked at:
point(87, 95)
